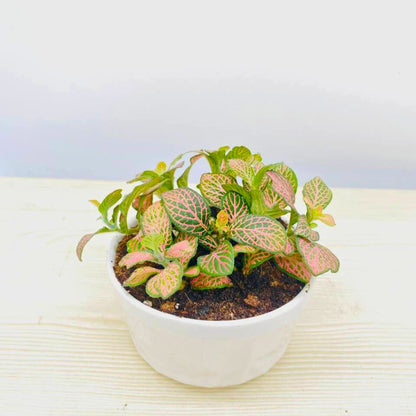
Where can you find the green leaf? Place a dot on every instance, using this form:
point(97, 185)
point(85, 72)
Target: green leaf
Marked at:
point(167, 282)
point(240, 190)
point(187, 210)
point(218, 262)
point(156, 221)
point(87, 237)
point(316, 193)
point(241, 248)
point(211, 186)
point(135, 244)
point(140, 275)
point(153, 242)
point(255, 259)
point(294, 266)
point(242, 169)
point(259, 231)
point(318, 258)
point(303, 229)
point(208, 242)
point(110, 200)
point(234, 205)
point(239, 152)
point(205, 282)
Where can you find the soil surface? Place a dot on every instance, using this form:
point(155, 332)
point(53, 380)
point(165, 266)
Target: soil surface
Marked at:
point(264, 290)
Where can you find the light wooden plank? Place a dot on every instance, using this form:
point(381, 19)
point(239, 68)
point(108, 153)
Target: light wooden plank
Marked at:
point(65, 349)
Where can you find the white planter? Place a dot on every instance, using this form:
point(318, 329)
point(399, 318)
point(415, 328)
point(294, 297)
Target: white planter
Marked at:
point(207, 353)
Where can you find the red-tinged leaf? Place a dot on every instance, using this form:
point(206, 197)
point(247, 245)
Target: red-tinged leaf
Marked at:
point(84, 240)
point(253, 260)
point(316, 214)
point(327, 219)
point(183, 250)
point(242, 169)
point(140, 275)
point(208, 242)
point(218, 262)
point(241, 248)
point(211, 186)
point(294, 266)
point(167, 282)
point(137, 257)
point(259, 231)
point(192, 271)
point(316, 193)
point(204, 282)
point(156, 221)
point(318, 258)
point(283, 188)
point(290, 246)
point(135, 244)
point(303, 229)
point(142, 202)
point(234, 205)
point(288, 174)
point(187, 210)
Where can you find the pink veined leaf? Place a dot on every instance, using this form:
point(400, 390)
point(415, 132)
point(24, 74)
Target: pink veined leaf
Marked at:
point(137, 257)
point(234, 205)
point(218, 262)
point(294, 266)
point(211, 186)
point(242, 169)
point(303, 229)
point(156, 221)
point(223, 166)
point(204, 282)
point(241, 248)
point(318, 258)
point(253, 260)
point(167, 282)
point(259, 231)
point(283, 188)
point(187, 210)
point(272, 199)
point(183, 250)
point(288, 174)
point(316, 193)
point(208, 242)
point(192, 271)
point(290, 246)
point(135, 243)
point(140, 275)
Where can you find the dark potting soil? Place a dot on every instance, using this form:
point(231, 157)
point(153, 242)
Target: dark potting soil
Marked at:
point(264, 290)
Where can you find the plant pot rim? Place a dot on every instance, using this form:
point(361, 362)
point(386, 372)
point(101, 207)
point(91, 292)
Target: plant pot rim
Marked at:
point(244, 322)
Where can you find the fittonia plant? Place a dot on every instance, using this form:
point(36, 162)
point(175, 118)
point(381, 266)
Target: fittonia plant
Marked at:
point(190, 238)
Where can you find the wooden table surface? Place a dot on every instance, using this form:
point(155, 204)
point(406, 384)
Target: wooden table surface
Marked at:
point(65, 349)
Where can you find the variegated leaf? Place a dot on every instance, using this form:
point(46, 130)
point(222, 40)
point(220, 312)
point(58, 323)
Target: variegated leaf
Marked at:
point(283, 188)
point(241, 248)
point(183, 250)
point(192, 271)
point(316, 193)
point(303, 229)
point(240, 190)
point(294, 266)
point(242, 169)
point(140, 275)
point(211, 186)
point(288, 174)
point(239, 152)
point(153, 242)
point(272, 199)
point(318, 258)
point(137, 257)
point(259, 231)
point(204, 282)
point(167, 282)
point(234, 205)
point(156, 221)
point(187, 210)
point(135, 243)
point(290, 246)
point(142, 202)
point(253, 260)
point(218, 262)
point(208, 242)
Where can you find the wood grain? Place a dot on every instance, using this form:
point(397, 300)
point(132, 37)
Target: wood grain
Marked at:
point(65, 350)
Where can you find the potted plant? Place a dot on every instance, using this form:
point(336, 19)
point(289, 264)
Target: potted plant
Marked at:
point(211, 279)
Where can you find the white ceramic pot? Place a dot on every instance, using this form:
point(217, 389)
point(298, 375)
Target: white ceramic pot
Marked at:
point(207, 353)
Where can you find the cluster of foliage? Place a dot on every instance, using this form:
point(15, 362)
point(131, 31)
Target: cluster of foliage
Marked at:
point(237, 211)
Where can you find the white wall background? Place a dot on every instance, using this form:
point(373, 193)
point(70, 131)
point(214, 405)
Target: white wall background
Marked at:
point(95, 89)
